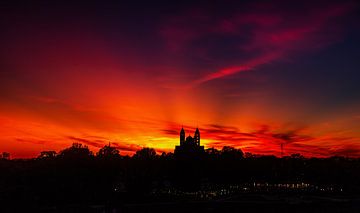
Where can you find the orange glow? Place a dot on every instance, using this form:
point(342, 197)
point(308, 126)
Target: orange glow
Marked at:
point(135, 87)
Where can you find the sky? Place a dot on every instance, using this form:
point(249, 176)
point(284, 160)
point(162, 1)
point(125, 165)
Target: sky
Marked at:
point(249, 74)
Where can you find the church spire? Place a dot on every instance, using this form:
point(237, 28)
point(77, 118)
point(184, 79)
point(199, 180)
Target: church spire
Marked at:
point(197, 137)
point(182, 135)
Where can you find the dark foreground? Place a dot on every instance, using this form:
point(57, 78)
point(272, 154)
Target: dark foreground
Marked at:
point(238, 203)
point(75, 180)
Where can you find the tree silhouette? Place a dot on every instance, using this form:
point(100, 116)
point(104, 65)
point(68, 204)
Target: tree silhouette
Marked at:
point(167, 155)
point(248, 155)
point(297, 156)
point(108, 152)
point(212, 152)
point(5, 156)
point(229, 152)
point(145, 154)
point(47, 154)
point(76, 151)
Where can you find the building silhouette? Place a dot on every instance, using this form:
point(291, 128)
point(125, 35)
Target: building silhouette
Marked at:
point(189, 146)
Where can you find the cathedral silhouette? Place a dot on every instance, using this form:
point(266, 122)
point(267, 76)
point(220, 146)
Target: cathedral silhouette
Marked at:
point(189, 146)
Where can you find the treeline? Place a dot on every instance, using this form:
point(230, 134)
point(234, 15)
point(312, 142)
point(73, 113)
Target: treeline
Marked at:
point(80, 151)
point(76, 175)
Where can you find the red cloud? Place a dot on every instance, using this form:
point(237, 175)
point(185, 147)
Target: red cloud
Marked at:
point(265, 33)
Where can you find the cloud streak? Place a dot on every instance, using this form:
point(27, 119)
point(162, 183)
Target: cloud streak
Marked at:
point(260, 36)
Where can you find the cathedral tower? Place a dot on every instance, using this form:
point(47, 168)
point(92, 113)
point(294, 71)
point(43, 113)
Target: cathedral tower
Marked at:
point(182, 136)
point(197, 137)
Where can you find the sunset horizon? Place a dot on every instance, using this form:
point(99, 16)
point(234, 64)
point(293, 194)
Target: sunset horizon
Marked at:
point(251, 75)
